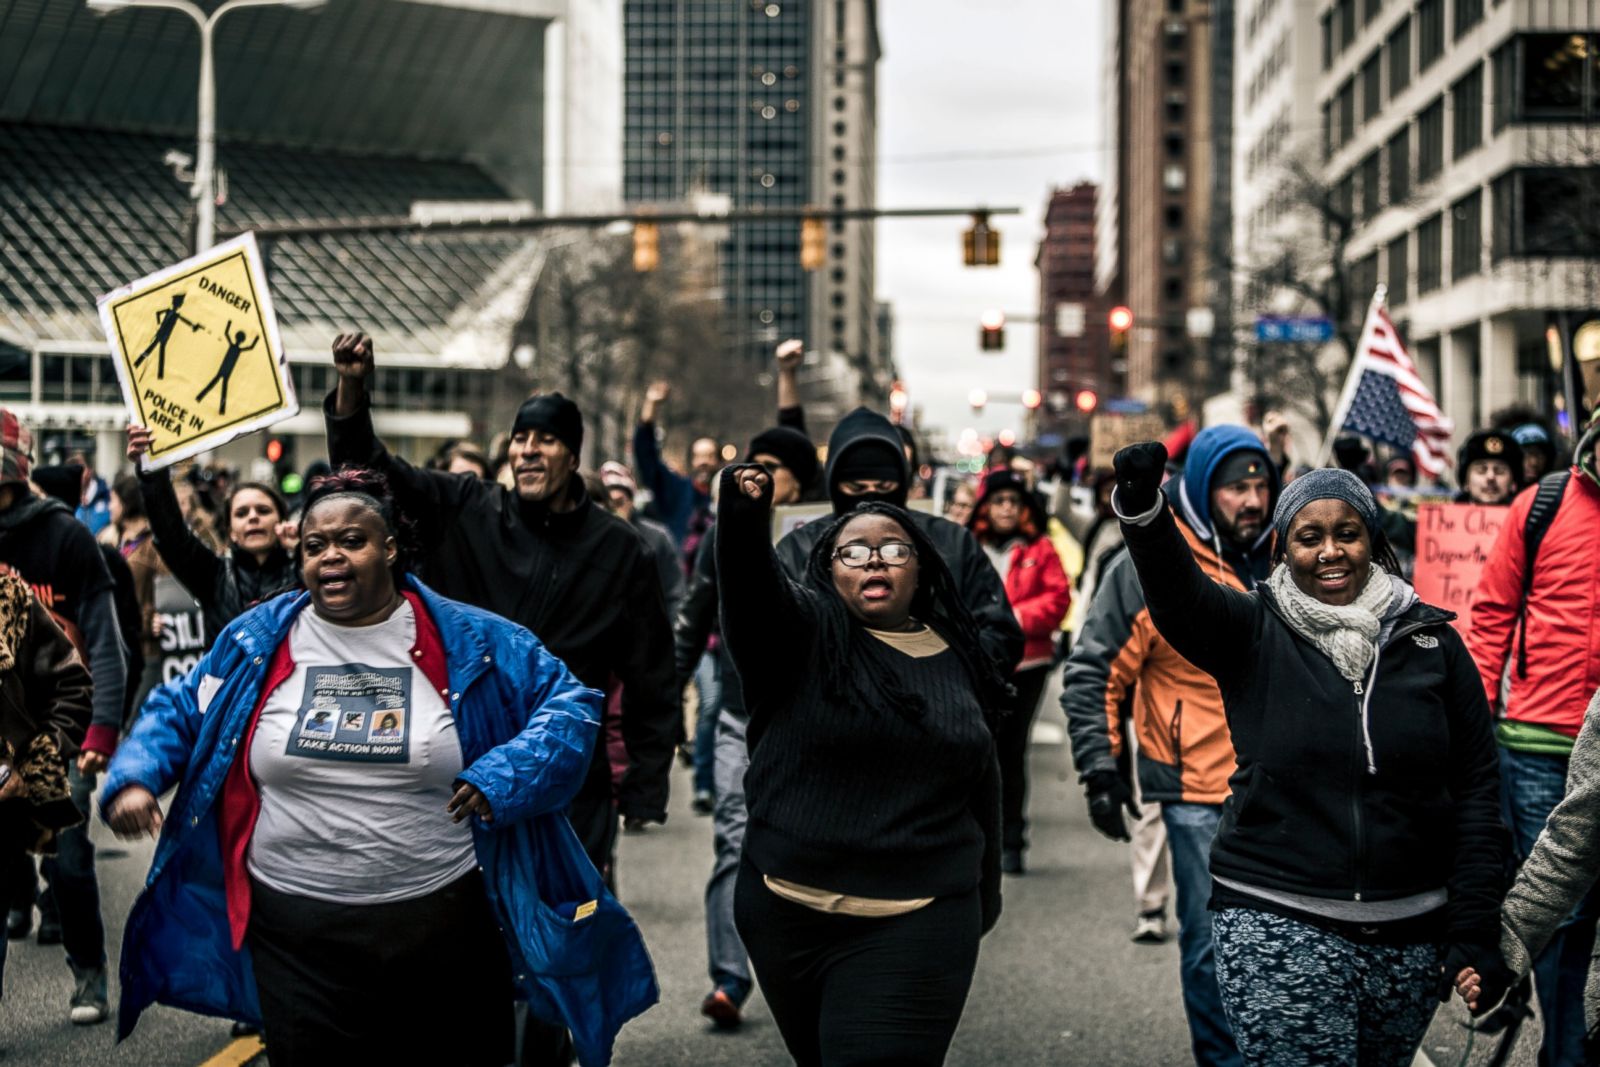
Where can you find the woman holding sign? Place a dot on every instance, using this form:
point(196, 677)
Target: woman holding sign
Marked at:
point(1359, 861)
point(367, 847)
point(257, 565)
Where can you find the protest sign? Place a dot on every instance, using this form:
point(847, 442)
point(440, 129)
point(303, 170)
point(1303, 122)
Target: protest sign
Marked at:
point(197, 351)
point(1108, 433)
point(183, 629)
point(1453, 544)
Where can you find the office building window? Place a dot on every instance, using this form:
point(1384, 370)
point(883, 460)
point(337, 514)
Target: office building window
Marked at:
point(1430, 141)
point(1327, 39)
point(1346, 12)
point(1371, 86)
point(1430, 32)
point(1554, 77)
point(1398, 268)
point(1468, 14)
point(1347, 112)
point(1371, 184)
point(1399, 152)
point(1399, 49)
point(1430, 254)
point(1363, 279)
point(1549, 211)
point(1466, 236)
point(1369, 10)
point(1466, 104)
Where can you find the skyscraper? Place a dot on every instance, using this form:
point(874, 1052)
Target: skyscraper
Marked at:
point(774, 105)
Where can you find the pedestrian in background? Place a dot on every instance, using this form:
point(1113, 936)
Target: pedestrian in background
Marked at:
point(367, 828)
point(1489, 468)
point(1537, 615)
point(872, 858)
point(1010, 522)
point(1358, 866)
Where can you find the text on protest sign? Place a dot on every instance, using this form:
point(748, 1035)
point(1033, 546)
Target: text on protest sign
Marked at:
point(1453, 544)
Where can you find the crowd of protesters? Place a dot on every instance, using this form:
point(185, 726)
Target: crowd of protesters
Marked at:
point(434, 694)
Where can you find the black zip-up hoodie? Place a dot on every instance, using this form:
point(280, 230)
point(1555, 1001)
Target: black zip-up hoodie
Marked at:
point(1314, 810)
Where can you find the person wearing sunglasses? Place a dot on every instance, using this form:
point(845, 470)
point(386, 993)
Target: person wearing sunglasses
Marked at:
point(871, 864)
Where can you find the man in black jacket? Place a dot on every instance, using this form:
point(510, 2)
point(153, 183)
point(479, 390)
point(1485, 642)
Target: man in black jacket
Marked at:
point(43, 544)
point(542, 555)
point(867, 461)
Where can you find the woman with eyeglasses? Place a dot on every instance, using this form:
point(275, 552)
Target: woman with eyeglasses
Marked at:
point(871, 862)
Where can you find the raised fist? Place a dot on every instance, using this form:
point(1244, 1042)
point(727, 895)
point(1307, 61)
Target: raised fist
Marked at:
point(1139, 470)
point(791, 353)
point(748, 480)
point(352, 356)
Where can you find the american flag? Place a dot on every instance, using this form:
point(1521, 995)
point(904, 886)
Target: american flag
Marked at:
point(1389, 403)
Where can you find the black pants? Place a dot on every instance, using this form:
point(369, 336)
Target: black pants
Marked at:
point(417, 981)
point(593, 815)
point(846, 990)
point(1011, 746)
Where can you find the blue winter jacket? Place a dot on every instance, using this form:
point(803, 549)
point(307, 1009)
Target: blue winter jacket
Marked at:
point(526, 727)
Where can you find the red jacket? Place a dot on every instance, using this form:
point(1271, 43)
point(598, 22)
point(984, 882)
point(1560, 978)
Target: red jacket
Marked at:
point(1563, 621)
point(1040, 594)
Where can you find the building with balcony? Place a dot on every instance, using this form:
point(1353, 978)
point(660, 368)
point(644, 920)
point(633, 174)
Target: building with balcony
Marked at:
point(1460, 134)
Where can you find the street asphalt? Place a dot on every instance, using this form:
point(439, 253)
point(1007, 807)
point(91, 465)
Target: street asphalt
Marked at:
point(1059, 981)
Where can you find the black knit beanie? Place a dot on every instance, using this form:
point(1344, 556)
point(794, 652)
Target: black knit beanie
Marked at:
point(554, 414)
point(791, 448)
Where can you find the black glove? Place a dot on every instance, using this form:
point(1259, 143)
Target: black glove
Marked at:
point(731, 492)
point(1139, 470)
point(1495, 979)
point(1108, 796)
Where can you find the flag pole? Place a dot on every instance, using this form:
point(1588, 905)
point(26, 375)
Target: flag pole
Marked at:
point(1352, 377)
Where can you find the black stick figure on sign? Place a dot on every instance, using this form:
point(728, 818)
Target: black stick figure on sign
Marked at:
point(167, 320)
point(236, 348)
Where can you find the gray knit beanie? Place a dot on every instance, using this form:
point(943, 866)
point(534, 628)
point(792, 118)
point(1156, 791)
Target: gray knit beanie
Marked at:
point(1326, 483)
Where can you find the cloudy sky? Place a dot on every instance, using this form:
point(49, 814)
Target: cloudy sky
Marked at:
point(1017, 81)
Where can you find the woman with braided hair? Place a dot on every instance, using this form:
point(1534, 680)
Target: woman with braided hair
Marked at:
point(871, 862)
point(1357, 868)
point(367, 849)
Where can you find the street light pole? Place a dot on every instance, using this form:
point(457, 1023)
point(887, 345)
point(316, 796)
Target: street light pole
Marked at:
point(203, 190)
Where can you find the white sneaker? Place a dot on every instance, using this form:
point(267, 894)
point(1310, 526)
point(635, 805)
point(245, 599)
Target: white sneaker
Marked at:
point(1150, 929)
point(89, 1002)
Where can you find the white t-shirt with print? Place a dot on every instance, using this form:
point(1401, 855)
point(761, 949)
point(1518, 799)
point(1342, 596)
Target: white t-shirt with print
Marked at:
point(355, 755)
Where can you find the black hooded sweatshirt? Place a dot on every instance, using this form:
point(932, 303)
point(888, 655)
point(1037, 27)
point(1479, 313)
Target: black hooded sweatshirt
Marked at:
point(580, 580)
point(976, 578)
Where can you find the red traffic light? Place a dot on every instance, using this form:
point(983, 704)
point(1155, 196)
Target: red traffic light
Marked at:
point(274, 450)
point(1086, 400)
point(1120, 319)
point(1032, 398)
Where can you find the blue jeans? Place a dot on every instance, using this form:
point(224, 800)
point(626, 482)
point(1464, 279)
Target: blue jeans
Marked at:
point(71, 885)
point(708, 683)
point(1532, 786)
point(1190, 828)
point(729, 964)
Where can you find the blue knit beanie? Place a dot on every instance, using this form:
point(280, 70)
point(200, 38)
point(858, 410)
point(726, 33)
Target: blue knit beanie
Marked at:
point(1326, 483)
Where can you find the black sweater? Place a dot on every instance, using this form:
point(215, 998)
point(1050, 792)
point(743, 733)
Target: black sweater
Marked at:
point(1307, 815)
point(868, 801)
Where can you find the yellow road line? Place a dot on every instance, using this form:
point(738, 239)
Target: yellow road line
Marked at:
point(237, 1053)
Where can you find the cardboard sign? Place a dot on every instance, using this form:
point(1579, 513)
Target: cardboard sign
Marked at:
point(197, 351)
point(1108, 433)
point(791, 517)
point(1453, 544)
point(183, 628)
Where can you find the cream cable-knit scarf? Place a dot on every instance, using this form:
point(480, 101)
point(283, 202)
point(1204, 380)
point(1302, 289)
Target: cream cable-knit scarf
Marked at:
point(1346, 633)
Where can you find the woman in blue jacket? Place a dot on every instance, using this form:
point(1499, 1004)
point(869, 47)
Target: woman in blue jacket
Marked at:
point(366, 850)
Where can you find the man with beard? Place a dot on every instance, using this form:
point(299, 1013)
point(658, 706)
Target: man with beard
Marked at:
point(1121, 665)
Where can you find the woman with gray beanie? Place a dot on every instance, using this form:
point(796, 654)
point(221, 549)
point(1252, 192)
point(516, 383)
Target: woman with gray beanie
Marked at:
point(1358, 865)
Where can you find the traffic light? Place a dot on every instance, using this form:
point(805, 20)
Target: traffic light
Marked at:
point(813, 244)
point(1120, 320)
point(279, 452)
point(1031, 399)
point(980, 245)
point(646, 246)
point(992, 331)
point(1087, 401)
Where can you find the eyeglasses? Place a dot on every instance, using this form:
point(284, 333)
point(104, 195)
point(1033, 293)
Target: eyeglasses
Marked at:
point(893, 554)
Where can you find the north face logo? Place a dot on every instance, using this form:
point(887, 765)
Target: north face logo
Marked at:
point(1425, 640)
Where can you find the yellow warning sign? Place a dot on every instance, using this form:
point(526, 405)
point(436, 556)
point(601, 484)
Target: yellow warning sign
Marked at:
point(196, 348)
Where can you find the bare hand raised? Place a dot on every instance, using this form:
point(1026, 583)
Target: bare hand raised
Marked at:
point(791, 354)
point(353, 357)
point(138, 442)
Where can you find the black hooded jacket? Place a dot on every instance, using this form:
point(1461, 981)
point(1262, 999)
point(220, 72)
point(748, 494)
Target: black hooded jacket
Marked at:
point(976, 578)
point(225, 587)
point(580, 580)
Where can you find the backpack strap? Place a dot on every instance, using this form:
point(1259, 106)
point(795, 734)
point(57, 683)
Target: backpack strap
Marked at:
point(1546, 502)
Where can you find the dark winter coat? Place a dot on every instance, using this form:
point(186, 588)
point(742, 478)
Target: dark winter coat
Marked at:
point(1308, 813)
point(226, 586)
